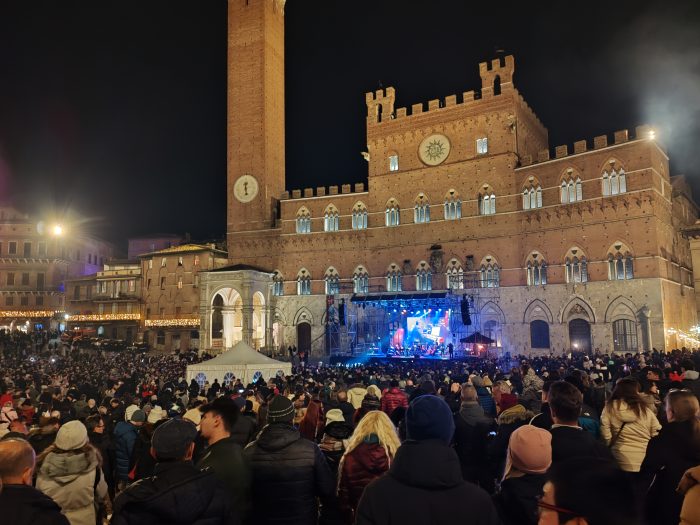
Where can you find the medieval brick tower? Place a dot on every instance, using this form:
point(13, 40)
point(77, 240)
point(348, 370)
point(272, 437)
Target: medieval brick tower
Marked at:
point(581, 249)
point(255, 134)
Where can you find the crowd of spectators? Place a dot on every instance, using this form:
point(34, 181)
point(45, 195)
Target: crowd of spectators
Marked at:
point(122, 438)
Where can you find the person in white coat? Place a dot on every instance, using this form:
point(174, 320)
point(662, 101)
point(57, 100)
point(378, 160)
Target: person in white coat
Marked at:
point(70, 472)
point(627, 425)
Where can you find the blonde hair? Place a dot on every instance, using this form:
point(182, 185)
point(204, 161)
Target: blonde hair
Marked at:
point(378, 423)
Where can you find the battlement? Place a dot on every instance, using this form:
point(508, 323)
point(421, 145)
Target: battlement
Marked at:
point(496, 75)
point(322, 191)
point(581, 146)
point(496, 79)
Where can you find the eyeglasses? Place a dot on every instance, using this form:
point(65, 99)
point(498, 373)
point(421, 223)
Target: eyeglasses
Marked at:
point(674, 390)
point(542, 505)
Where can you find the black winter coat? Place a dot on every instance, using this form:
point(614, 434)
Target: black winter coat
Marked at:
point(517, 500)
point(178, 493)
point(244, 430)
point(572, 442)
point(288, 474)
point(543, 419)
point(425, 485)
point(669, 455)
point(22, 504)
point(470, 438)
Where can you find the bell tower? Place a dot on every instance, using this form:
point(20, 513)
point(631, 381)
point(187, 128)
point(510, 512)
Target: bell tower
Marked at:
point(255, 115)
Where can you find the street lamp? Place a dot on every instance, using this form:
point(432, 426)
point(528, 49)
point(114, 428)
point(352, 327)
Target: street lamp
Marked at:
point(58, 230)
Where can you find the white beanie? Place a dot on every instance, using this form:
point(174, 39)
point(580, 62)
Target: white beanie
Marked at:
point(129, 412)
point(155, 415)
point(71, 436)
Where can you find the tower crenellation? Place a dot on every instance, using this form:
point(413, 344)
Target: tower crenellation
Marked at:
point(497, 75)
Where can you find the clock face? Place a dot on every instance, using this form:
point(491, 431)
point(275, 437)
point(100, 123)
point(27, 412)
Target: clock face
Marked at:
point(246, 188)
point(434, 149)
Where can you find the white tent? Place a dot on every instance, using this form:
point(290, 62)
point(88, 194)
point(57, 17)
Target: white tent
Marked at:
point(241, 362)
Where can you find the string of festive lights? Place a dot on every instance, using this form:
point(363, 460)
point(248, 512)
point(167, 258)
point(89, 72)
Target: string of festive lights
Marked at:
point(27, 313)
point(171, 322)
point(686, 337)
point(104, 317)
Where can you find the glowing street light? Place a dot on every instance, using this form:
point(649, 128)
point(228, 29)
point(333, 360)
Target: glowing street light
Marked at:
point(58, 230)
point(652, 134)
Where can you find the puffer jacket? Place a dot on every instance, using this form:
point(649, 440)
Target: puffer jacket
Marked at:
point(356, 394)
point(359, 467)
point(288, 474)
point(73, 480)
point(392, 399)
point(630, 446)
point(177, 494)
point(125, 436)
point(486, 400)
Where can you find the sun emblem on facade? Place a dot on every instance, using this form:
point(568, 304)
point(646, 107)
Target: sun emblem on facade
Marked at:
point(435, 149)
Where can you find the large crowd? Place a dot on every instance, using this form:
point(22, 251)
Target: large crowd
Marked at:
point(92, 438)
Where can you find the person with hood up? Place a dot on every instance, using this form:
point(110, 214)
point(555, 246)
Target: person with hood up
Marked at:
point(669, 455)
point(369, 454)
point(529, 457)
point(70, 473)
point(178, 492)
point(627, 425)
point(424, 483)
point(288, 472)
point(21, 503)
point(356, 393)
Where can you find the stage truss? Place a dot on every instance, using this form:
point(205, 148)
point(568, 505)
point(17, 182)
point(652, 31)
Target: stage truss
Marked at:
point(371, 319)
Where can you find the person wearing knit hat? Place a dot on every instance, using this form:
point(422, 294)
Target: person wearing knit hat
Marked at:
point(69, 472)
point(429, 417)
point(424, 483)
point(280, 410)
point(288, 472)
point(129, 411)
point(71, 436)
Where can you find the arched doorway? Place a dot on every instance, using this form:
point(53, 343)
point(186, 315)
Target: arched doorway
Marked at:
point(580, 335)
point(304, 337)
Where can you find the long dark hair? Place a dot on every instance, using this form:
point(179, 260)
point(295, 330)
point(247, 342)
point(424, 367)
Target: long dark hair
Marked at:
point(627, 390)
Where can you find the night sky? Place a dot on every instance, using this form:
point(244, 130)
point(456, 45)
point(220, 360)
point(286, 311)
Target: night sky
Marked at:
point(116, 110)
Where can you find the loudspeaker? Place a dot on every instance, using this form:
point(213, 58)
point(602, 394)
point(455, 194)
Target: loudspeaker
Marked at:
point(341, 312)
point(464, 306)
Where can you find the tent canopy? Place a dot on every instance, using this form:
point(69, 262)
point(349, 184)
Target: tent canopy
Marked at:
point(241, 362)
